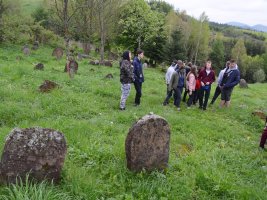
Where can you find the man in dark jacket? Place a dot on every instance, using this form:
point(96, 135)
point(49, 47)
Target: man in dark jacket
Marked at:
point(231, 78)
point(138, 76)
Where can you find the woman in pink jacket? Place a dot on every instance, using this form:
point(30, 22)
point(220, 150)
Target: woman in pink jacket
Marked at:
point(191, 84)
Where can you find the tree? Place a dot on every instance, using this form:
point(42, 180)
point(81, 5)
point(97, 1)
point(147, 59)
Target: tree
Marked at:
point(202, 39)
point(239, 54)
point(175, 47)
point(2, 9)
point(264, 57)
point(217, 54)
point(106, 11)
point(160, 6)
point(251, 66)
point(137, 24)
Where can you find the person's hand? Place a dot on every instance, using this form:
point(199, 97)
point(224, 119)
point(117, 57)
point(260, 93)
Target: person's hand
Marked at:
point(207, 83)
point(202, 84)
point(190, 92)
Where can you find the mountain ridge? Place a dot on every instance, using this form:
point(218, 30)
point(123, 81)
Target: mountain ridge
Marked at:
point(257, 27)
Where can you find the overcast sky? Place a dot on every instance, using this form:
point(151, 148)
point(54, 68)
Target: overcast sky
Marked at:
point(250, 12)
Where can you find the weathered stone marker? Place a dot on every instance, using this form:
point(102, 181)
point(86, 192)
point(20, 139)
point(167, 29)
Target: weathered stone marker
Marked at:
point(58, 53)
point(147, 144)
point(243, 83)
point(39, 66)
point(38, 152)
point(47, 86)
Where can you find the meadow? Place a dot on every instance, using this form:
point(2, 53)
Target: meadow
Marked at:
point(213, 154)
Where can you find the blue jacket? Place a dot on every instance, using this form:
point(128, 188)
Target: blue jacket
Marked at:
point(138, 71)
point(232, 79)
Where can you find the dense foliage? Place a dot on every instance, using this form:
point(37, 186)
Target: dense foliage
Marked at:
point(155, 26)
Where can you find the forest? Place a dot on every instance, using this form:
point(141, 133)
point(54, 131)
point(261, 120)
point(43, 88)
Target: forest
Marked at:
point(112, 26)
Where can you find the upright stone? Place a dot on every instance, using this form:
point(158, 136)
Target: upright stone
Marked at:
point(47, 86)
point(243, 83)
point(147, 144)
point(39, 152)
point(58, 53)
point(39, 66)
point(26, 50)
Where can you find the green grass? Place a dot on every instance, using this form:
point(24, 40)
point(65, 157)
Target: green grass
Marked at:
point(213, 154)
point(29, 6)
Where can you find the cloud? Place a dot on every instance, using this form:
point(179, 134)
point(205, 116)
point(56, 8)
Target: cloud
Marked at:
point(222, 11)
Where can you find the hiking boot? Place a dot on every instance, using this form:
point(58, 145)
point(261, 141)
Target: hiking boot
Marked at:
point(178, 109)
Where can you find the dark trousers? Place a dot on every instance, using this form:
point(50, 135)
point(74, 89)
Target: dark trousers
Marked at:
point(178, 96)
point(263, 138)
point(138, 88)
point(203, 93)
point(191, 99)
point(185, 94)
point(216, 94)
point(196, 96)
point(168, 96)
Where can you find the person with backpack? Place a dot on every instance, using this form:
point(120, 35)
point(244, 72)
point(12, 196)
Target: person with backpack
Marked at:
point(231, 78)
point(126, 77)
point(264, 136)
point(191, 84)
point(218, 89)
point(206, 77)
point(168, 75)
point(181, 83)
point(138, 76)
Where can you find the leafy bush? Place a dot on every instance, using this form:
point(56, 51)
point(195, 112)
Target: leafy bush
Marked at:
point(259, 76)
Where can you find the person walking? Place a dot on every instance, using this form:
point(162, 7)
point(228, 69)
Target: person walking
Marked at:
point(126, 77)
point(231, 78)
point(206, 77)
point(168, 75)
point(181, 83)
point(138, 76)
point(173, 85)
point(218, 89)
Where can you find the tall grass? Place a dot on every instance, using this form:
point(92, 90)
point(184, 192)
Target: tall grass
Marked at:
point(213, 154)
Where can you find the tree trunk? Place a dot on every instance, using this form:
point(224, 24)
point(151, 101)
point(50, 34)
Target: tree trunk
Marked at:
point(66, 26)
point(199, 37)
point(102, 32)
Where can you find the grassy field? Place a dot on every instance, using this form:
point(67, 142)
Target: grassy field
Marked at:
point(213, 154)
point(29, 6)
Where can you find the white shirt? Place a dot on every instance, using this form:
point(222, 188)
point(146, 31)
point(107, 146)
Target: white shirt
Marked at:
point(169, 74)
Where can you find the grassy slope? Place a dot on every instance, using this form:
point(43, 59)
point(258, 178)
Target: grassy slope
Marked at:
point(28, 6)
point(213, 154)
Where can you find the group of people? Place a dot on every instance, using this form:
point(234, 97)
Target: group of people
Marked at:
point(180, 77)
point(197, 83)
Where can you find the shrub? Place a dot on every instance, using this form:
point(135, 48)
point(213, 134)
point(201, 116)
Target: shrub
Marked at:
point(259, 76)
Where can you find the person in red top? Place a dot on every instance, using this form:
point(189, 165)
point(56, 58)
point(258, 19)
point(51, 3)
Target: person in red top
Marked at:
point(206, 77)
point(264, 135)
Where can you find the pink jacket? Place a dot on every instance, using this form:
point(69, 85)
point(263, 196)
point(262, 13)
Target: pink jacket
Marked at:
point(191, 83)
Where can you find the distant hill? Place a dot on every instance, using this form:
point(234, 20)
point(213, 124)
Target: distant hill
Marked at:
point(258, 27)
